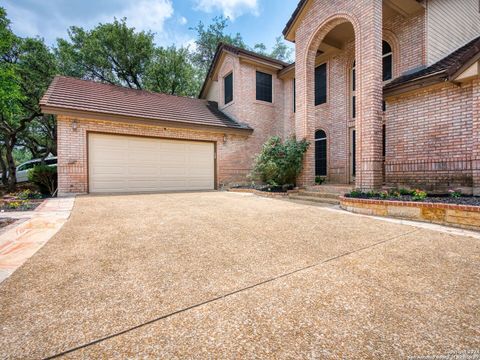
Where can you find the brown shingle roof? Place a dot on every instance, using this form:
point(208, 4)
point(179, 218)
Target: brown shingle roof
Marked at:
point(295, 13)
point(66, 93)
point(442, 69)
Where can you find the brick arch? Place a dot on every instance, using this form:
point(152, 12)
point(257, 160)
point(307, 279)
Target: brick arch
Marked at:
point(391, 38)
point(307, 58)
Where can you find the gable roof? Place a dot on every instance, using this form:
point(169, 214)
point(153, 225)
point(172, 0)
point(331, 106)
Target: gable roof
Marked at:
point(300, 6)
point(239, 52)
point(66, 94)
point(443, 70)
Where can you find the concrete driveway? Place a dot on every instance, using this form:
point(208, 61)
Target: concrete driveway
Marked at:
point(224, 275)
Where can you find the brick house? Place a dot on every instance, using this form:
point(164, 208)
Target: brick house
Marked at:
point(387, 92)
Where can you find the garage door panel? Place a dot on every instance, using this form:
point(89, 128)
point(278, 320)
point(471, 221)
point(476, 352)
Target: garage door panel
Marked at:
point(129, 164)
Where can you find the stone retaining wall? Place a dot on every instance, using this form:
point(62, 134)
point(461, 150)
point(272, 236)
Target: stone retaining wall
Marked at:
point(463, 216)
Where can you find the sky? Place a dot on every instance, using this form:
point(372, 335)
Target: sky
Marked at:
point(256, 20)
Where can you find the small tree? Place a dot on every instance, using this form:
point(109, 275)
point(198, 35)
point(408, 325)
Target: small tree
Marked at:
point(280, 163)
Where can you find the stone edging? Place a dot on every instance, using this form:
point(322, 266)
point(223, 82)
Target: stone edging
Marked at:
point(463, 216)
point(260, 193)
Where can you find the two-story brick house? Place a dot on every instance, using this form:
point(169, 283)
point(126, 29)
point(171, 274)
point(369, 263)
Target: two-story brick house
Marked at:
point(387, 92)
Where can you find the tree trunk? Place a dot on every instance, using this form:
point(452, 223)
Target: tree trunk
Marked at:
point(3, 166)
point(12, 169)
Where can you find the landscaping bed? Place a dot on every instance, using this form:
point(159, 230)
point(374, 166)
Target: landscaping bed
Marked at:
point(6, 221)
point(26, 200)
point(452, 209)
point(438, 199)
point(265, 188)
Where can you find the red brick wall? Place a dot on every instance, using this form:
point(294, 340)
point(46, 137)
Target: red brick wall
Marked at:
point(429, 138)
point(72, 149)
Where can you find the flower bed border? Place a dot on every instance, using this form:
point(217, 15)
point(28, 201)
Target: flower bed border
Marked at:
point(463, 216)
point(262, 193)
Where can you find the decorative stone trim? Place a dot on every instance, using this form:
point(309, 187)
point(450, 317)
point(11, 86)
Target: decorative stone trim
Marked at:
point(260, 193)
point(462, 216)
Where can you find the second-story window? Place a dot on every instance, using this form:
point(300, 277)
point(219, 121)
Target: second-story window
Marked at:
point(353, 91)
point(387, 57)
point(321, 84)
point(228, 88)
point(264, 87)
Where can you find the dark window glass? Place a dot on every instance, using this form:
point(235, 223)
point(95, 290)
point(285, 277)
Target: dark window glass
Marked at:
point(321, 84)
point(384, 135)
point(294, 96)
point(354, 109)
point(387, 61)
point(264, 87)
point(50, 161)
point(384, 106)
point(353, 78)
point(320, 153)
point(228, 88)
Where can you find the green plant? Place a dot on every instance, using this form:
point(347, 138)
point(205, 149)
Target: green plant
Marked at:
point(45, 177)
point(319, 180)
point(28, 194)
point(404, 191)
point(15, 204)
point(355, 193)
point(454, 193)
point(384, 194)
point(280, 163)
point(394, 193)
point(419, 195)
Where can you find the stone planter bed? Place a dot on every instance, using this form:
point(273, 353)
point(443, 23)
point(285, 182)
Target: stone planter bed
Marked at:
point(264, 193)
point(439, 212)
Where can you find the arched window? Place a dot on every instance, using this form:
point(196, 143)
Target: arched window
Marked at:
point(387, 57)
point(320, 153)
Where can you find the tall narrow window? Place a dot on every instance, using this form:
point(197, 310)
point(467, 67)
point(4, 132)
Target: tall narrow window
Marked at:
point(320, 153)
point(228, 88)
point(294, 95)
point(353, 91)
point(387, 57)
point(321, 84)
point(264, 87)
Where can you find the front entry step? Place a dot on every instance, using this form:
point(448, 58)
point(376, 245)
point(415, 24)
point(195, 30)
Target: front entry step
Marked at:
point(314, 198)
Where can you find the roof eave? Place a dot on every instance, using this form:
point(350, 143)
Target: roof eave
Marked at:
point(95, 115)
point(416, 84)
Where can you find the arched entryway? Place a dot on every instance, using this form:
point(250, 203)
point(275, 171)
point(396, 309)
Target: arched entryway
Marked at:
point(321, 157)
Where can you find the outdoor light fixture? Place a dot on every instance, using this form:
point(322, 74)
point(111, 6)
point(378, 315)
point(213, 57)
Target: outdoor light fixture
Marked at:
point(74, 125)
point(225, 138)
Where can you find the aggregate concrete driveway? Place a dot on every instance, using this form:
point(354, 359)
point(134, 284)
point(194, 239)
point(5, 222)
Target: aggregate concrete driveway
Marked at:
point(224, 275)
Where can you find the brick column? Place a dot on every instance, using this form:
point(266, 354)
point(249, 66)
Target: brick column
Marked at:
point(368, 49)
point(476, 137)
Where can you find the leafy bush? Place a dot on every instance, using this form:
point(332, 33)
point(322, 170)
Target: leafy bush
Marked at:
point(45, 177)
point(403, 191)
point(455, 194)
point(28, 194)
point(280, 163)
point(319, 180)
point(419, 195)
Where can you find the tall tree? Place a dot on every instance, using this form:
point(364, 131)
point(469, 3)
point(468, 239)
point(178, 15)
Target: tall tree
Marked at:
point(26, 69)
point(281, 51)
point(208, 38)
point(171, 71)
point(113, 53)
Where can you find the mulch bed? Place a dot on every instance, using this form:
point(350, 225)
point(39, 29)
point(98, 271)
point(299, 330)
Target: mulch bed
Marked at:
point(6, 221)
point(29, 205)
point(463, 200)
point(266, 188)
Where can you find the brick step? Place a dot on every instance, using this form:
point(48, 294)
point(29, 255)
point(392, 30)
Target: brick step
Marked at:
point(320, 194)
point(315, 199)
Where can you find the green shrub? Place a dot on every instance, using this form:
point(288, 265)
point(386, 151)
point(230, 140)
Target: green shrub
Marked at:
point(403, 191)
point(45, 177)
point(28, 194)
point(319, 180)
point(355, 193)
point(279, 163)
point(419, 195)
point(455, 194)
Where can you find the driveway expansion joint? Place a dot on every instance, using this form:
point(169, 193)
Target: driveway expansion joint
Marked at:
point(221, 297)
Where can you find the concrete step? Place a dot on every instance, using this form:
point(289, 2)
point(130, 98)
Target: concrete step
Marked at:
point(316, 199)
point(320, 194)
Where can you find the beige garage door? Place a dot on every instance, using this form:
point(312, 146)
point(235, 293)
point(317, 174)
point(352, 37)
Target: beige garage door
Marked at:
point(136, 164)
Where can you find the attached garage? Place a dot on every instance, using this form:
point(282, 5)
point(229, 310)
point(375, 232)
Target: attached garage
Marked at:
point(117, 140)
point(140, 164)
